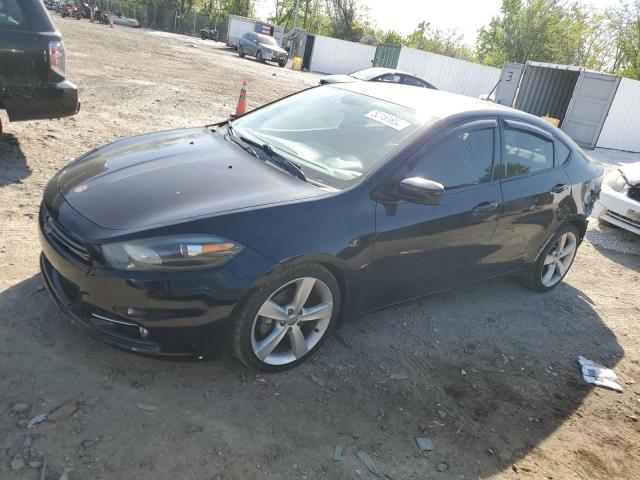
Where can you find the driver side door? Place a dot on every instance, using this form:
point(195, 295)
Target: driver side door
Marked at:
point(419, 249)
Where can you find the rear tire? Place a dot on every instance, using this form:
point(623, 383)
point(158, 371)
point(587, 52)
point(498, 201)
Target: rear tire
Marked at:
point(241, 52)
point(203, 36)
point(554, 261)
point(286, 320)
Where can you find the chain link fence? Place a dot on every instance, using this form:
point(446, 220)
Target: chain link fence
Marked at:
point(167, 20)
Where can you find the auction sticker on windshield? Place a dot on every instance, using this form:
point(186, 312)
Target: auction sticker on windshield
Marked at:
point(388, 119)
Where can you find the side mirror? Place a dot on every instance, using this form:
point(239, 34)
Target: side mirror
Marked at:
point(420, 190)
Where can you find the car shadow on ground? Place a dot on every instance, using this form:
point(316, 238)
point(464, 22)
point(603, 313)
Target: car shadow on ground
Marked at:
point(13, 163)
point(625, 260)
point(487, 372)
point(617, 244)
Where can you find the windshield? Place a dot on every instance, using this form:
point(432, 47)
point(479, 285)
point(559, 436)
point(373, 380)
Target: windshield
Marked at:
point(267, 40)
point(335, 135)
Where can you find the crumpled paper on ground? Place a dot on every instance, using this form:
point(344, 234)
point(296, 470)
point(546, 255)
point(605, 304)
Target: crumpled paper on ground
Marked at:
point(600, 375)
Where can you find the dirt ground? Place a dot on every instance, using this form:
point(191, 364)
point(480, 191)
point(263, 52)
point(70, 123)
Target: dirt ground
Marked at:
point(488, 372)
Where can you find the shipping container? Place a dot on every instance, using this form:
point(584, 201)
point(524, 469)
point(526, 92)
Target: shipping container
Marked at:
point(580, 99)
point(621, 130)
point(238, 26)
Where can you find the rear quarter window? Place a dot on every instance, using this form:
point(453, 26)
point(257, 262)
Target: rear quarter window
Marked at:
point(12, 16)
point(562, 153)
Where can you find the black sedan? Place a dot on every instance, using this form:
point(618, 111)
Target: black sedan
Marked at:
point(378, 74)
point(271, 229)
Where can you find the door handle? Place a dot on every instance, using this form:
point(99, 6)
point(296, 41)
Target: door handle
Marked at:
point(559, 188)
point(485, 207)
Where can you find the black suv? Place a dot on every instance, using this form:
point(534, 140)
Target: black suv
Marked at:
point(32, 64)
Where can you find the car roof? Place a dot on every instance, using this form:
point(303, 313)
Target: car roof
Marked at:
point(434, 103)
point(377, 71)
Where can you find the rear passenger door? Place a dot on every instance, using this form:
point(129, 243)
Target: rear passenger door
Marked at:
point(535, 191)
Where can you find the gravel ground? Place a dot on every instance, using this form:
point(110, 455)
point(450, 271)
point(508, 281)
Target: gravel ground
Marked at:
point(487, 372)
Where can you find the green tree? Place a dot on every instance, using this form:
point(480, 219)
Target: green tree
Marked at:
point(540, 30)
point(443, 42)
point(625, 33)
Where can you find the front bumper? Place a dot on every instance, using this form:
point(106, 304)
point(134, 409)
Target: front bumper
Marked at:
point(618, 209)
point(181, 313)
point(276, 56)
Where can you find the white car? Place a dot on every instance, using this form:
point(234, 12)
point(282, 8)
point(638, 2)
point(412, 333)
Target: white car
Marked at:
point(619, 202)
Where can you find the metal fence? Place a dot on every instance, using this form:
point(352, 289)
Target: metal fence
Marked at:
point(167, 20)
point(450, 74)
point(331, 55)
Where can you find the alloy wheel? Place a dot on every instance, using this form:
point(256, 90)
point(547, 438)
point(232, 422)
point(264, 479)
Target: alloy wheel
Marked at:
point(292, 321)
point(558, 259)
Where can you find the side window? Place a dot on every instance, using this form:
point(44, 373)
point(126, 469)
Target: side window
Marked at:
point(562, 153)
point(526, 152)
point(11, 15)
point(464, 157)
point(416, 82)
point(389, 77)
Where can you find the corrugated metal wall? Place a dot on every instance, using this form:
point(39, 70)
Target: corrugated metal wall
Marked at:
point(450, 74)
point(546, 91)
point(331, 55)
point(621, 130)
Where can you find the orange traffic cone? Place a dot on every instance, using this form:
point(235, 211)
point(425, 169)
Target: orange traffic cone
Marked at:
point(241, 109)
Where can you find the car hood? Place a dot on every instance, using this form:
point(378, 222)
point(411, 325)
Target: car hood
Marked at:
point(167, 177)
point(631, 173)
point(338, 79)
point(274, 48)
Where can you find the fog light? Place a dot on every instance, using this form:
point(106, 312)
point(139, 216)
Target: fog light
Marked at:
point(144, 333)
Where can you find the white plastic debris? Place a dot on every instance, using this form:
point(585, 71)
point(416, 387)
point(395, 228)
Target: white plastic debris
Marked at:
point(36, 420)
point(597, 374)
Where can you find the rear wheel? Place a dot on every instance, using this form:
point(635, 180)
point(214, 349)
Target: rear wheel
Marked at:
point(203, 36)
point(241, 52)
point(286, 320)
point(555, 260)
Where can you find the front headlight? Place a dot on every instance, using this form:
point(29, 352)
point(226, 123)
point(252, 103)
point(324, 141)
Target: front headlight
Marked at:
point(178, 252)
point(614, 180)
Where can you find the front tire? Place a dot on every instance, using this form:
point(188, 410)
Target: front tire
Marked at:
point(282, 64)
point(259, 57)
point(286, 320)
point(555, 260)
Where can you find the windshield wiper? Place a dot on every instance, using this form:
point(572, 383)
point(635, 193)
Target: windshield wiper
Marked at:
point(280, 161)
point(239, 142)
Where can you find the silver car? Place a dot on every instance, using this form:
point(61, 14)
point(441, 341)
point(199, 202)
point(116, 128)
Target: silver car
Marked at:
point(263, 47)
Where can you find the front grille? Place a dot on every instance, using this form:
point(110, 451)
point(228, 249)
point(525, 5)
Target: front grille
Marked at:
point(64, 240)
point(634, 193)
